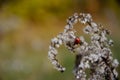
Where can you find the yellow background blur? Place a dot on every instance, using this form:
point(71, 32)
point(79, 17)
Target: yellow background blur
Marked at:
point(27, 26)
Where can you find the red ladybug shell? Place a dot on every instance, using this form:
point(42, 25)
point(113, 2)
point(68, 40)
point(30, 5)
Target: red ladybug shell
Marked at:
point(77, 40)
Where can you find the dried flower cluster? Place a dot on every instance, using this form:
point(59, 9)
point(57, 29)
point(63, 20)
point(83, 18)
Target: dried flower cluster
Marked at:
point(95, 57)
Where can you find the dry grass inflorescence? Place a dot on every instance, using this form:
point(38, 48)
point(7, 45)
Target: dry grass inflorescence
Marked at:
point(95, 56)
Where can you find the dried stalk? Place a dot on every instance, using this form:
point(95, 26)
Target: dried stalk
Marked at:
point(95, 56)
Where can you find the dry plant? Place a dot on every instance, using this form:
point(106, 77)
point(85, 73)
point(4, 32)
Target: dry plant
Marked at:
point(94, 60)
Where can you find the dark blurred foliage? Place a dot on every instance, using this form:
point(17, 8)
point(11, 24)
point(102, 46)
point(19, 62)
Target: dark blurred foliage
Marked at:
point(118, 1)
point(5, 2)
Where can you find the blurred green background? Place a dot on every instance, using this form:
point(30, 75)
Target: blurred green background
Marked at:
point(27, 26)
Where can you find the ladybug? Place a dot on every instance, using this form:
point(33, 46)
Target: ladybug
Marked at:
point(77, 41)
